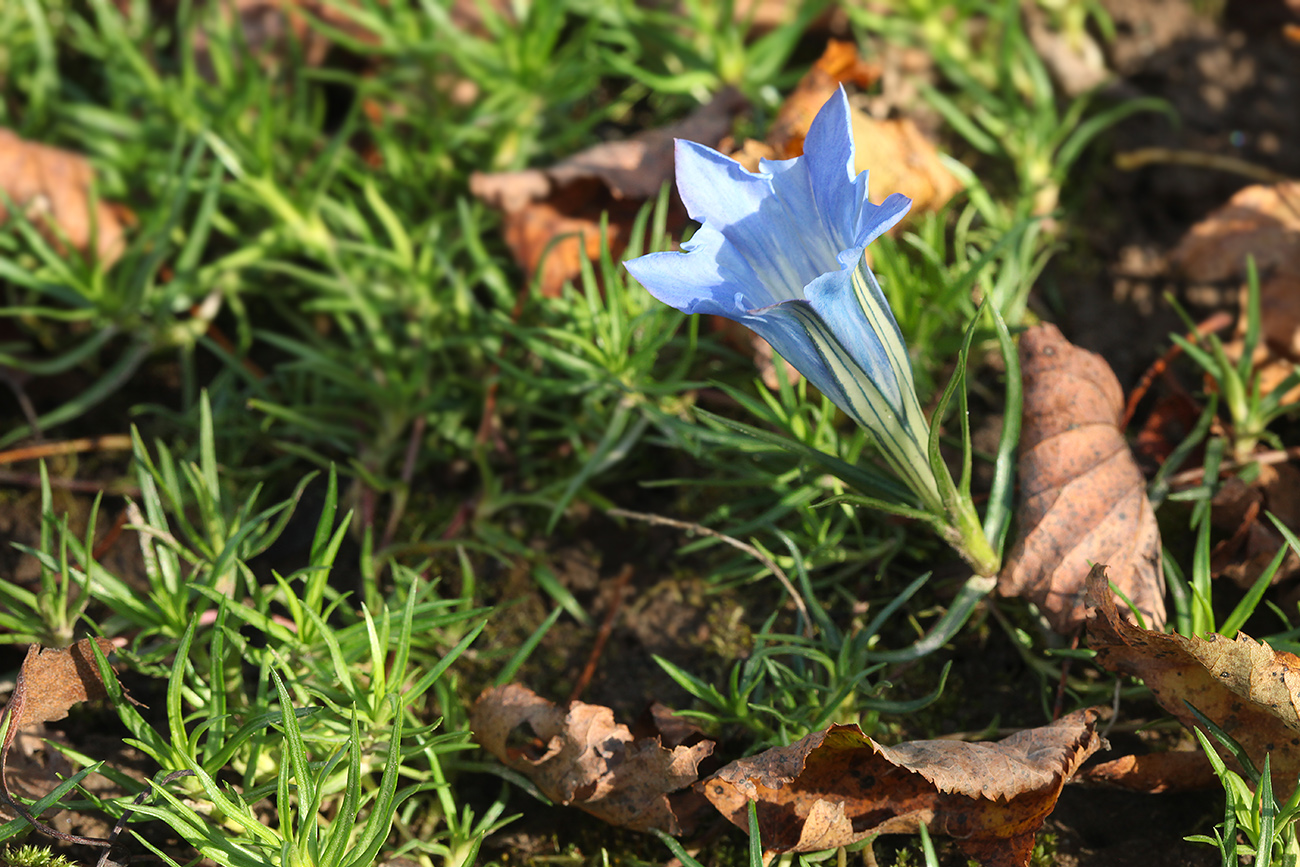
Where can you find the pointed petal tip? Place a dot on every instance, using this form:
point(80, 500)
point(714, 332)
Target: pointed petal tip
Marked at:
point(831, 132)
point(876, 220)
point(693, 155)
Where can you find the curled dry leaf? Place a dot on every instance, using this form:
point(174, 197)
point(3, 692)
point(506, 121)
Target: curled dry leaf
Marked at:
point(52, 188)
point(50, 682)
point(579, 756)
point(552, 216)
point(1082, 497)
point(1239, 510)
point(1261, 221)
point(1247, 688)
point(1153, 773)
point(838, 786)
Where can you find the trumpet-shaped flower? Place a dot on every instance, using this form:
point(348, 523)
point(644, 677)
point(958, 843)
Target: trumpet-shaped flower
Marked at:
point(783, 251)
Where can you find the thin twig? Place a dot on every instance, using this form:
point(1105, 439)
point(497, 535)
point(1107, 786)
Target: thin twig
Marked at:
point(139, 799)
point(217, 336)
point(14, 379)
point(401, 497)
point(106, 443)
point(104, 545)
point(463, 515)
point(602, 636)
point(1136, 159)
point(733, 542)
point(487, 428)
point(85, 486)
point(1216, 322)
point(1196, 475)
point(1059, 705)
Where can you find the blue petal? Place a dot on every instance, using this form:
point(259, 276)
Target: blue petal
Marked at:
point(876, 220)
point(842, 196)
point(803, 336)
point(788, 335)
point(832, 296)
point(828, 153)
point(817, 192)
point(815, 239)
point(710, 277)
point(717, 190)
point(745, 210)
point(820, 189)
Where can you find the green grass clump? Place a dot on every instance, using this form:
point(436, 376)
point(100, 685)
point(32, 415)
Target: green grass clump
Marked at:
point(319, 344)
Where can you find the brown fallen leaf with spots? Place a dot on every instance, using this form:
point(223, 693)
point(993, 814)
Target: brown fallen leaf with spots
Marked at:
point(838, 786)
point(1261, 221)
point(580, 756)
point(1247, 688)
point(50, 682)
point(51, 188)
point(1083, 499)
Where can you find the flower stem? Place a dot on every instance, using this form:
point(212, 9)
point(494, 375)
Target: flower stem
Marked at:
point(967, 537)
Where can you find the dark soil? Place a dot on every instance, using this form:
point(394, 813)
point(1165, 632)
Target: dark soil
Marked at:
point(1235, 82)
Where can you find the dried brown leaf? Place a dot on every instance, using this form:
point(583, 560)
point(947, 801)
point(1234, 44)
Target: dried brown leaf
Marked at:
point(579, 756)
point(1153, 773)
point(52, 188)
point(838, 786)
point(902, 160)
point(1263, 222)
point(1082, 497)
point(50, 682)
point(1239, 509)
point(1249, 689)
point(554, 213)
point(53, 679)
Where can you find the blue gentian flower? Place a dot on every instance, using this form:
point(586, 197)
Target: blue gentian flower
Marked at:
point(783, 252)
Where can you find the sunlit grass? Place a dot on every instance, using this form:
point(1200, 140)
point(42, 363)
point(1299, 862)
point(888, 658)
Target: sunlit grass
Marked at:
point(312, 301)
